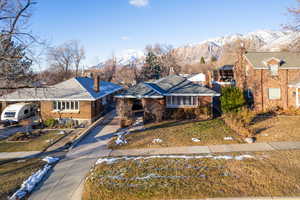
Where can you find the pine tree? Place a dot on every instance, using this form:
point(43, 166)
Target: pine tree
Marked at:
point(152, 68)
point(202, 61)
point(213, 59)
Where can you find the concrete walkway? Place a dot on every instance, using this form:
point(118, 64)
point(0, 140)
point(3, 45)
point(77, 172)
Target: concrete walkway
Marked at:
point(271, 146)
point(65, 181)
point(10, 155)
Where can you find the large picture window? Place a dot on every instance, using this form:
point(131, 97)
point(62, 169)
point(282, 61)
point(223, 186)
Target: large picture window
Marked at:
point(66, 105)
point(182, 101)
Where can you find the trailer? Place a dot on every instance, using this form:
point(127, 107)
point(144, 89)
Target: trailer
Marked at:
point(19, 111)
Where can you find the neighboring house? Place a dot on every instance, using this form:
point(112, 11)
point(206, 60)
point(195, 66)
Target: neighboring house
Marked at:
point(271, 79)
point(156, 98)
point(224, 76)
point(198, 78)
point(83, 99)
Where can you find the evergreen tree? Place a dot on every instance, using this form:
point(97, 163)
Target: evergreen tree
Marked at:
point(152, 68)
point(202, 61)
point(213, 59)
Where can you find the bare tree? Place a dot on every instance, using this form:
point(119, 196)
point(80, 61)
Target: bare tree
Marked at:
point(15, 64)
point(295, 12)
point(66, 58)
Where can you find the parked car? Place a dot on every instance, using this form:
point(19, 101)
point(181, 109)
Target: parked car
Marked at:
point(18, 112)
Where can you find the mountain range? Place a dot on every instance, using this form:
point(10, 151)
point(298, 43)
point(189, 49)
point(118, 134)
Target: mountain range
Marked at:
point(262, 40)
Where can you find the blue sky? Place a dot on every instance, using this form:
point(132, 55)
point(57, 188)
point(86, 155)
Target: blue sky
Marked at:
point(110, 26)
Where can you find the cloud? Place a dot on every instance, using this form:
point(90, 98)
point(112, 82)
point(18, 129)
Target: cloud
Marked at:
point(125, 38)
point(139, 3)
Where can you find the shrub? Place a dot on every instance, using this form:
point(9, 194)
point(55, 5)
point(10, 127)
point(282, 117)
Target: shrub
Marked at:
point(203, 112)
point(232, 99)
point(240, 121)
point(50, 123)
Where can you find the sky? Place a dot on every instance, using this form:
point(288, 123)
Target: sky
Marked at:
point(106, 27)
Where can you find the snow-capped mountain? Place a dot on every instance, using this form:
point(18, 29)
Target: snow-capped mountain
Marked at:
point(130, 55)
point(262, 40)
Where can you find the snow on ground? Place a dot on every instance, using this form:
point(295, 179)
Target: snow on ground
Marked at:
point(222, 157)
point(157, 141)
point(137, 125)
point(196, 140)
point(228, 138)
point(29, 184)
point(120, 140)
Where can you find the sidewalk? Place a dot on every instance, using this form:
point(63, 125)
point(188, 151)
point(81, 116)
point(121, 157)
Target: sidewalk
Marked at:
point(271, 146)
point(10, 155)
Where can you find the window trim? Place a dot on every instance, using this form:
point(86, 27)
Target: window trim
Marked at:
point(65, 106)
point(182, 101)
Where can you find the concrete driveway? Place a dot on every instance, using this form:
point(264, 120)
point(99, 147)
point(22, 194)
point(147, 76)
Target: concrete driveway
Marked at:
point(66, 178)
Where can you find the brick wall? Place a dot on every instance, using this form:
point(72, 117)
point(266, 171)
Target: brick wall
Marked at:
point(260, 80)
point(154, 109)
point(84, 113)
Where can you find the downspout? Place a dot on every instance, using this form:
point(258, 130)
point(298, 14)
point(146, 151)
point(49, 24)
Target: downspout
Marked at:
point(262, 91)
point(287, 89)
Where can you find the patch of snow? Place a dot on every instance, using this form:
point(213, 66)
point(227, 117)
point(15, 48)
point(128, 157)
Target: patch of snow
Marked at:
point(157, 140)
point(61, 133)
point(196, 140)
point(228, 138)
point(223, 157)
point(242, 157)
point(50, 160)
point(120, 140)
point(29, 184)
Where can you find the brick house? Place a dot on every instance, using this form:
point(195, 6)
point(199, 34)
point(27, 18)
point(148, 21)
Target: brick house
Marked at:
point(156, 98)
point(82, 98)
point(270, 79)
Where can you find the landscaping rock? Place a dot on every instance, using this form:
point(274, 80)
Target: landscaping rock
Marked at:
point(250, 140)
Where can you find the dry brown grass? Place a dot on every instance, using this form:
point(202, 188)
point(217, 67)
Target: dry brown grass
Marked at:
point(13, 174)
point(269, 174)
point(35, 144)
point(275, 129)
point(174, 133)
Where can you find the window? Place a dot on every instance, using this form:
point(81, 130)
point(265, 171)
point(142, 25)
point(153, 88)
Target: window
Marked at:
point(65, 105)
point(177, 101)
point(274, 70)
point(274, 93)
point(9, 114)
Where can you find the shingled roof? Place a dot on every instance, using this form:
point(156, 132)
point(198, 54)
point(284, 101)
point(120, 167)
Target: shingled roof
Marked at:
point(169, 86)
point(79, 88)
point(289, 60)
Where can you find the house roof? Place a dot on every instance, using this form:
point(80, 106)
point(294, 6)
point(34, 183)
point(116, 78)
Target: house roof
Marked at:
point(197, 77)
point(169, 86)
point(79, 88)
point(289, 60)
point(226, 67)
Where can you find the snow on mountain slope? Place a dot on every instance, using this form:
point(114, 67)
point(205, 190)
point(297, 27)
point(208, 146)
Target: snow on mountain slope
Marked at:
point(261, 40)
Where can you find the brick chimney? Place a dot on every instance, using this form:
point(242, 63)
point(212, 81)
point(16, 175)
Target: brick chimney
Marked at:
point(96, 83)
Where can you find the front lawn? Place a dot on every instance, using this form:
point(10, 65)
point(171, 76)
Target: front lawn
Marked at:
point(277, 129)
point(184, 133)
point(35, 144)
point(13, 174)
point(265, 174)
